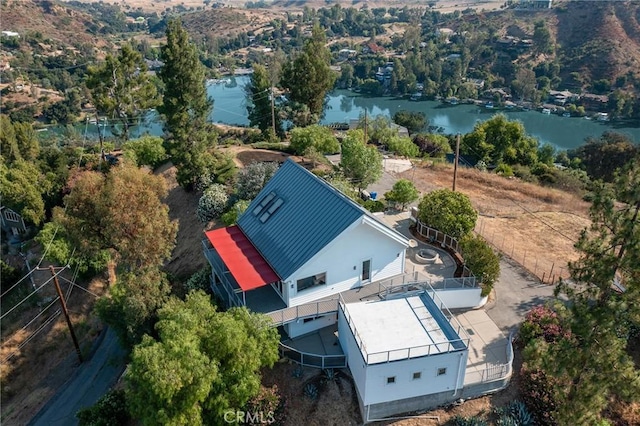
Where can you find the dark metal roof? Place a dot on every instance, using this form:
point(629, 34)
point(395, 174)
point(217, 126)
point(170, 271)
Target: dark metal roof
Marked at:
point(311, 214)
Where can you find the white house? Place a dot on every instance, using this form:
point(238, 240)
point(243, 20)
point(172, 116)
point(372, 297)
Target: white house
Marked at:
point(300, 240)
point(403, 353)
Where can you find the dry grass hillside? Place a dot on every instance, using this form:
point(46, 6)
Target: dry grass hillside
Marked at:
point(599, 39)
point(53, 20)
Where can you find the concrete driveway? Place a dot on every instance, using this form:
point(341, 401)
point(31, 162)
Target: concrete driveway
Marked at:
point(515, 293)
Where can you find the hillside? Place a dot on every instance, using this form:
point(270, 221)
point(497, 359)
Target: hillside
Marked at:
point(54, 21)
point(599, 39)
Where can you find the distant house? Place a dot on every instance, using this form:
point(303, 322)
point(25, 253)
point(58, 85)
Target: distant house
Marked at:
point(347, 54)
point(10, 34)
point(562, 97)
point(300, 240)
point(444, 32)
point(372, 48)
point(11, 221)
point(594, 102)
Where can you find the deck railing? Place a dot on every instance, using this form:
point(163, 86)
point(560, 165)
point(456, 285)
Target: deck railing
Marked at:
point(493, 372)
point(313, 360)
point(409, 352)
point(307, 310)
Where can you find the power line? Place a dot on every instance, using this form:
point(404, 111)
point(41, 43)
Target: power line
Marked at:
point(32, 293)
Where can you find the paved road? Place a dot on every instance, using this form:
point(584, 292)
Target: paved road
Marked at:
point(92, 380)
point(516, 292)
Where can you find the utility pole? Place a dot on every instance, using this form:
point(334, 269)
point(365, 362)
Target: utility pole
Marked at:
point(455, 163)
point(273, 113)
point(66, 314)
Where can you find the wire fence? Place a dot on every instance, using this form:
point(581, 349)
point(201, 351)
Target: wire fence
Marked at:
point(547, 269)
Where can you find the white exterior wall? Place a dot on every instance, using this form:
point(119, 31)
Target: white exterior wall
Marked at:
point(377, 390)
point(461, 298)
point(338, 259)
point(295, 329)
point(355, 362)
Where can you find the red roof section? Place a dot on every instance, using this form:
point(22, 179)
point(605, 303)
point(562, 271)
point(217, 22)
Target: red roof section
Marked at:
point(246, 264)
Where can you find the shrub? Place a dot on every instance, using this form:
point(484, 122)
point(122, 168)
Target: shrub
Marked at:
point(524, 173)
point(212, 203)
point(282, 147)
point(110, 410)
point(231, 216)
point(253, 178)
point(537, 392)
point(504, 170)
point(373, 205)
point(269, 403)
point(482, 260)
point(542, 322)
point(199, 281)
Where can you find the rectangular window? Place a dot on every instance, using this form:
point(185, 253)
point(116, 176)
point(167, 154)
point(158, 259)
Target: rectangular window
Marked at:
point(366, 270)
point(442, 371)
point(312, 281)
point(391, 380)
point(417, 375)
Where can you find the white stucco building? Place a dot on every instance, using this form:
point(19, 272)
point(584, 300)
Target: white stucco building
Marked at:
point(401, 353)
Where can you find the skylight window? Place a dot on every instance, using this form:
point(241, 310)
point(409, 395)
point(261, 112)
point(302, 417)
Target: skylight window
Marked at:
point(266, 200)
point(267, 207)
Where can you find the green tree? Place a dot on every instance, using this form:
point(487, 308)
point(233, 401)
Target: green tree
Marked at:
point(21, 188)
point(413, 121)
point(148, 150)
point(309, 77)
point(185, 107)
point(481, 260)
point(447, 211)
point(317, 137)
point(259, 92)
point(130, 309)
point(403, 146)
point(603, 156)
point(121, 213)
point(403, 192)
point(122, 90)
point(524, 85)
point(500, 140)
point(360, 162)
point(542, 37)
point(592, 365)
point(18, 141)
point(203, 363)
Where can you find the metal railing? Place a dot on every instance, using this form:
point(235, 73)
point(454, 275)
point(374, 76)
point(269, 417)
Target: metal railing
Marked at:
point(493, 372)
point(313, 360)
point(307, 310)
point(404, 353)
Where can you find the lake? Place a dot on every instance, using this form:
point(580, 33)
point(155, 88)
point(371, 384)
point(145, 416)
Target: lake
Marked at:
point(230, 107)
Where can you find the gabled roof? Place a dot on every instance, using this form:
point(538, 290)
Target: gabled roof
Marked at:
point(311, 214)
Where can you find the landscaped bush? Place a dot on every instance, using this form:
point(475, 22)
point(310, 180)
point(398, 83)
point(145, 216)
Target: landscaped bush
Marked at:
point(212, 203)
point(542, 322)
point(268, 403)
point(480, 258)
point(373, 205)
point(199, 281)
point(282, 147)
point(537, 392)
point(253, 178)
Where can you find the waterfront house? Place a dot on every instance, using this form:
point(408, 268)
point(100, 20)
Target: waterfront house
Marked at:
point(300, 240)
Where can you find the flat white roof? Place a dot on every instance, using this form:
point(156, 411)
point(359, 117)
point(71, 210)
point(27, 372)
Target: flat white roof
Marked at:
point(391, 330)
